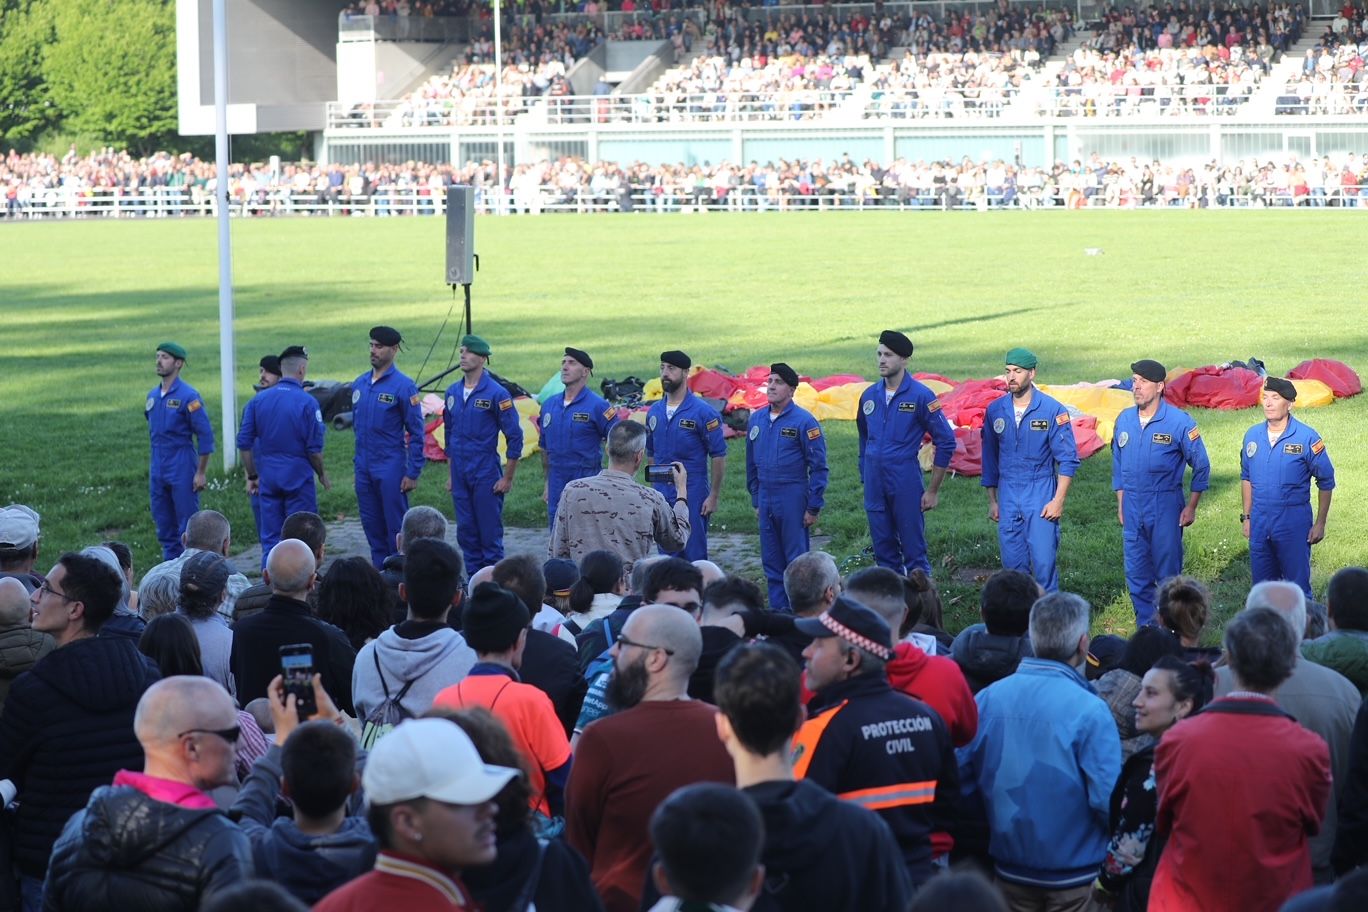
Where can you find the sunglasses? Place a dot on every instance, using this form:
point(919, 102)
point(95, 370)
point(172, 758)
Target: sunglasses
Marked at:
point(230, 735)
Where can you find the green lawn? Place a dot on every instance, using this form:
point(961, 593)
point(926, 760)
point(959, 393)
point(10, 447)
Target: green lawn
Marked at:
point(82, 306)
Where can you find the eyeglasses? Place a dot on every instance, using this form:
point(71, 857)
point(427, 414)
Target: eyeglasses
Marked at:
point(44, 586)
point(623, 641)
point(690, 607)
point(227, 734)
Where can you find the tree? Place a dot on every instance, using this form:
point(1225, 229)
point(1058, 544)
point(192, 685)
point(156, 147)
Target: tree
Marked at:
point(25, 107)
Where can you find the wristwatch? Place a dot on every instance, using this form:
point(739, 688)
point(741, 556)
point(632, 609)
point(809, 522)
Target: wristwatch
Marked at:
point(1244, 516)
point(253, 477)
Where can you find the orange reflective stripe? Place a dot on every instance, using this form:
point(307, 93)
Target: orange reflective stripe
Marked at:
point(805, 741)
point(904, 794)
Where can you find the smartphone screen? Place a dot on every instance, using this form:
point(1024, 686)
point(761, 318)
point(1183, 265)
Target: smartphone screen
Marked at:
point(659, 474)
point(297, 668)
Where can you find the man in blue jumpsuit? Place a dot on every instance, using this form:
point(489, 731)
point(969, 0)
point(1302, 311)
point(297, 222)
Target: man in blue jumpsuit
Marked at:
point(894, 417)
point(268, 375)
point(175, 413)
point(1280, 457)
point(478, 408)
point(1152, 446)
point(786, 475)
point(281, 444)
point(683, 428)
point(1029, 458)
point(388, 418)
point(572, 429)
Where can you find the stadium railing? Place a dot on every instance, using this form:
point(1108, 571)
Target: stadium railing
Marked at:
point(1106, 100)
point(932, 103)
point(406, 113)
point(652, 107)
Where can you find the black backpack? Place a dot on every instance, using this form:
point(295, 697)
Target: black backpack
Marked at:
point(381, 720)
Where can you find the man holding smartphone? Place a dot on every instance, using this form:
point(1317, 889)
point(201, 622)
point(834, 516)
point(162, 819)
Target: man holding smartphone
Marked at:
point(683, 428)
point(611, 512)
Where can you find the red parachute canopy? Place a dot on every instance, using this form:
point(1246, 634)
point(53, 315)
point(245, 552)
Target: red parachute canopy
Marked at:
point(1337, 375)
point(1215, 388)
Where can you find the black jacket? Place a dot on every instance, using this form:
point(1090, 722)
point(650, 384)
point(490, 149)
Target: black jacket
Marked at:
point(255, 658)
point(1351, 835)
point(67, 728)
point(563, 883)
point(127, 851)
point(717, 642)
point(987, 657)
point(551, 665)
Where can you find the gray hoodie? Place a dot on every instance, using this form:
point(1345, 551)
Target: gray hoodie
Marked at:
point(433, 662)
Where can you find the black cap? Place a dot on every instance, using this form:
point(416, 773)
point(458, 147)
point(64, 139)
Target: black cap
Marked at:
point(493, 618)
point(581, 356)
point(896, 342)
point(386, 335)
point(786, 373)
point(205, 573)
point(1282, 387)
point(1152, 371)
point(561, 575)
point(854, 623)
point(271, 364)
point(677, 358)
point(295, 351)
point(1105, 651)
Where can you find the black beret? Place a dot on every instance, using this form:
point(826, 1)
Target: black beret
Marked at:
point(896, 342)
point(677, 358)
point(580, 356)
point(271, 364)
point(1282, 387)
point(295, 351)
point(386, 335)
point(786, 373)
point(1152, 371)
point(493, 618)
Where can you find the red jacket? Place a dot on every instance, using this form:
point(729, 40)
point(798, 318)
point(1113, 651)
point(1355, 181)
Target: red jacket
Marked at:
point(939, 683)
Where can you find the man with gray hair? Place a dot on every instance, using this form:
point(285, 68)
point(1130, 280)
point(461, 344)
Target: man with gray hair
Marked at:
point(811, 582)
point(1320, 698)
point(206, 530)
point(611, 512)
point(626, 764)
point(1044, 761)
point(419, 523)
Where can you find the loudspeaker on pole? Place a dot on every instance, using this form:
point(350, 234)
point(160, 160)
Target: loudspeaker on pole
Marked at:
point(460, 235)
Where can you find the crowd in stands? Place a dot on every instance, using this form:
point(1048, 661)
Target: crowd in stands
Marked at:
point(1332, 78)
point(950, 84)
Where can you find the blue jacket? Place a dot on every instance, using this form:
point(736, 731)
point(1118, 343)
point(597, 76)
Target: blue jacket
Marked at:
point(1042, 446)
point(572, 435)
point(891, 432)
point(1281, 474)
point(171, 421)
point(1044, 760)
point(473, 423)
point(693, 436)
point(282, 425)
point(1153, 458)
point(788, 450)
point(383, 411)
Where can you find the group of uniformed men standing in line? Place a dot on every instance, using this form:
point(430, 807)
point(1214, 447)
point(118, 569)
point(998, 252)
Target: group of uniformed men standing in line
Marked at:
point(1029, 459)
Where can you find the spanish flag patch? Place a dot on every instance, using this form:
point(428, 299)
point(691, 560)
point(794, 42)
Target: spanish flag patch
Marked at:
point(1062, 419)
point(1318, 447)
point(505, 404)
point(609, 413)
point(1194, 434)
point(414, 399)
point(934, 406)
point(814, 433)
point(195, 406)
point(712, 425)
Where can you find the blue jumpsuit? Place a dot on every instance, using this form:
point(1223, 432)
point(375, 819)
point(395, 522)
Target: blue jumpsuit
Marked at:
point(786, 475)
point(572, 437)
point(282, 426)
point(694, 437)
point(1280, 512)
point(891, 434)
point(1021, 461)
point(472, 425)
point(1148, 464)
point(172, 419)
point(384, 411)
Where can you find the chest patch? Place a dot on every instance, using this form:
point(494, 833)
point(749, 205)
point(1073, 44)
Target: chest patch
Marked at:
point(386, 399)
point(356, 396)
point(789, 432)
point(999, 426)
point(483, 403)
point(688, 424)
point(1162, 438)
point(1122, 439)
point(1293, 449)
point(1251, 448)
point(582, 417)
point(1039, 424)
point(173, 403)
point(868, 407)
point(907, 406)
point(754, 432)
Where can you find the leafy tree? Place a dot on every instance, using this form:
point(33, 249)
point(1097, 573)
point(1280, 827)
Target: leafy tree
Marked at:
point(25, 107)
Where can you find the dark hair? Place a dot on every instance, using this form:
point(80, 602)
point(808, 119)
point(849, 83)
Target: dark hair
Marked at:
point(432, 576)
point(1146, 647)
point(880, 589)
point(600, 572)
point(675, 574)
point(495, 746)
point(923, 602)
point(169, 640)
point(1346, 598)
point(734, 590)
point(1193, 681)
point(1006, 601)
point(1184, 606)
point(378, 816)
point(307, 527)
point(253, 896)
point(962, 891)
point(93, 583)
point(318, 766)
point(521, 574)
point(757, 686)
point(708, 837)
point(1261, 647)
point(122, 552)
point(10, 557)
point(354, 596)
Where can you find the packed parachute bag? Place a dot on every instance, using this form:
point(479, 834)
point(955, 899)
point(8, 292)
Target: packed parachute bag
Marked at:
point(334, 398)
point(514, 388)
point(380, 721)
point(629, 392)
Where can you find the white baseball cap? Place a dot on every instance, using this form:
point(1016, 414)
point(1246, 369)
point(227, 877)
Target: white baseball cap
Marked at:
point(430, 758)
point(18, 526)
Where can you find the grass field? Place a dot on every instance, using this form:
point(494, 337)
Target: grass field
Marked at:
point(82, 306)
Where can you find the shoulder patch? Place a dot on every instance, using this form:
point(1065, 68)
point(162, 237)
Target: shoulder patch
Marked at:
point(1318, 447)
point(195, 406)
point(356, 396)
point(868, 407)
point(451, 402)
point(148, 407)
point(1062, 419)
point(791, 432)
point(907, 406)
point(1122, 439)
point(651, 422)
point(814, 433)
point(415, 399)
point(999, 425)
point(1251, 448)
point(754, 432)
point(712, 425)
point(318, 415)
point(1194, 433)
point(505, 404)
point(608, 413)
point(934, 405)
point(546, 419)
